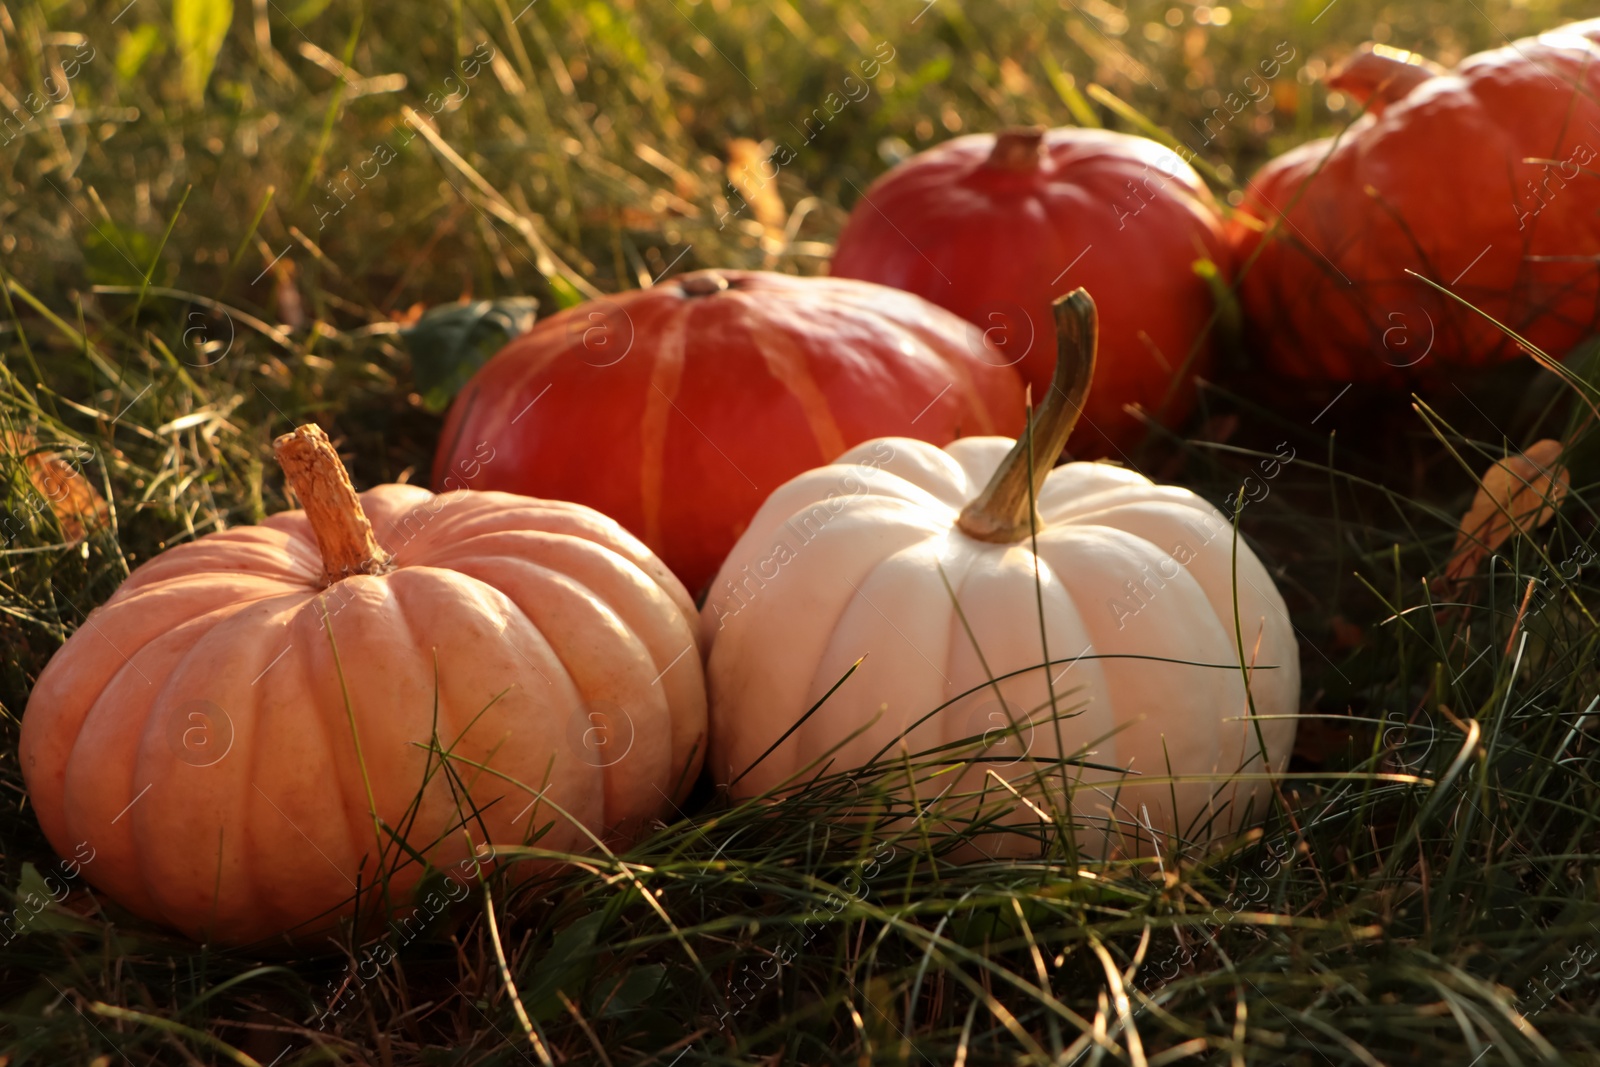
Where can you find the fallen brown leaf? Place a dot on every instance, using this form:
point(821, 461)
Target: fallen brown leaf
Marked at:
point(1218, 428)
point(76, 503)
point(746, 168)
point(1346, 634)
point(1517, 494)
point(410, 315)
point(286, 295)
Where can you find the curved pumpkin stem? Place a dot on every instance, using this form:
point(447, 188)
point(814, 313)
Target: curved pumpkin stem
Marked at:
point(1001, 512)
point(322, 485)
point(1378, 75)
point(1019, 148)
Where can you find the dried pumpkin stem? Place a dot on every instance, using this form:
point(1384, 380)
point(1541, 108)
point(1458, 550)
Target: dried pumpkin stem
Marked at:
point(1000, 512)
point(1018, 148)
point(321, 484)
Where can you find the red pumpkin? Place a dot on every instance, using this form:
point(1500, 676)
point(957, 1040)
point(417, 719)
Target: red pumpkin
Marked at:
point(995, 227)
point(1481, 180)
point(677, 409)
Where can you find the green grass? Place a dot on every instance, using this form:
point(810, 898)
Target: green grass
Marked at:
point(1437, 852)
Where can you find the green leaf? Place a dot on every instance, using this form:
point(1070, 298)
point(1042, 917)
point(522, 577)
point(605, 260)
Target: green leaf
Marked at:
point(570, 957)
point(1067, 89)
point(605, 27)
point(449, 343)
point(438, 885)
point(201, 26)
point(31, 882)
point(638, 986)
point(113, 255)
point(1230, 317)
point(136, 48)
point(307, 11)
point(565, 292)
point(33, 904)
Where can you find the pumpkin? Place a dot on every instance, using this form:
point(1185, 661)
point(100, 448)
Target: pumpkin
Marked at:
point(677, 409)
point(242, 735)
point(995, 227)
point(1480, 180)
point(927, 569)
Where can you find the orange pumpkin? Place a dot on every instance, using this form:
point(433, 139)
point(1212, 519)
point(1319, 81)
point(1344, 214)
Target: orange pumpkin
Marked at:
point(1481, 180)
point(243, 732)
point(676, 409)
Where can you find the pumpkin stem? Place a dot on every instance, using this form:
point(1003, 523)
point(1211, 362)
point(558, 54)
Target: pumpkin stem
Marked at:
point(1378, 75)
point(1000, 512)
point(1018, 148)
point(323, 488)
point(703, 283)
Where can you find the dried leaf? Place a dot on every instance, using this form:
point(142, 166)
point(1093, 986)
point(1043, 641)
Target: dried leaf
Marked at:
point(1218, 428)
point(77, 504)
point(1518, 494)
point(286, 295)
point(747, 170)
point(1015, 80)
point(1346, 634)
point(685, 183)
point(627, 216)
point(410, 315)
point(1319, 741)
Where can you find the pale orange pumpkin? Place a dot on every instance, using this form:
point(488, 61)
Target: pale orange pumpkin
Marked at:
point(242, 732)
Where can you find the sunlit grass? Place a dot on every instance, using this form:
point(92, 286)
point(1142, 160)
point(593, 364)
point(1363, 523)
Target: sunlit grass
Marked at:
point(184, 280)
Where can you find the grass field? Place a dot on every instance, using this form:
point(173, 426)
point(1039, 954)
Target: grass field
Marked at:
point(216, 219)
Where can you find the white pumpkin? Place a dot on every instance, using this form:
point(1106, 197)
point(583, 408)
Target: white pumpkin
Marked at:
point(1139, 585)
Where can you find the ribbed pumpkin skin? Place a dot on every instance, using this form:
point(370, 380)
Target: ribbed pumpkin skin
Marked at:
point(1436, 181)
point(539, 612)
point(1121, 216)
point(1138, 584)
point(677, 409)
